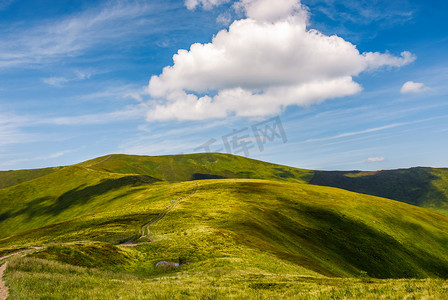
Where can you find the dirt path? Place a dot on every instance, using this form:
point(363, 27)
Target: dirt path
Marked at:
point(4, 292)
point(89, 167)
point(21, 252)
point(146, 227)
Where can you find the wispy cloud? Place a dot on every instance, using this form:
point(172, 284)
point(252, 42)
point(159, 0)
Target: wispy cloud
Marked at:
point(55, 81)
point(375, 159)
point(412, 87)
point(10, 131)
point(348, 134)
point(55, 39)
point(366, 11)
point(59, 81)
point(39, 158)
point(129, 113)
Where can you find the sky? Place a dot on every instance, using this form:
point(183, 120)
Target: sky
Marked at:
point(316, 84)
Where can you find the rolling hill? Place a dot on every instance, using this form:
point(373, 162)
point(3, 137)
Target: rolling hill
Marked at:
point(424, 187)
point(10, 178)
point(174, 168)
point(214, 225)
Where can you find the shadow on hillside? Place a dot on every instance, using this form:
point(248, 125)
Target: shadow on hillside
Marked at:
point(413, 186)
point(77, 197)
point(330, 243)
point(201, 176)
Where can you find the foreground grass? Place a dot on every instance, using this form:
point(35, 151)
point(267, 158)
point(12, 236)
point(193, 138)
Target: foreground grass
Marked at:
point(31, 278)
point(236, 238)
point(322, 230)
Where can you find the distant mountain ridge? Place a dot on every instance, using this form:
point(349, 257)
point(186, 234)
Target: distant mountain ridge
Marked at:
point(420, 186)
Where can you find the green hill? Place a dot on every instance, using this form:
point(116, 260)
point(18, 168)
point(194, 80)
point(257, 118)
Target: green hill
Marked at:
point(197, 167)
point(118, 225)
point(320, 230)
point(10, 178)
point(424, 187)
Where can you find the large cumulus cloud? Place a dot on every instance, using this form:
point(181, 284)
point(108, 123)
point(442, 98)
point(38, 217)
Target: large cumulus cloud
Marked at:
point(260, 65)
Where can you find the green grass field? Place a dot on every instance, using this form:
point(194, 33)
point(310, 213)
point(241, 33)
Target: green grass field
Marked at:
point(268, 235)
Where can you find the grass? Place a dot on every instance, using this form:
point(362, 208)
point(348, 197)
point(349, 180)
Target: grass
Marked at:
point(31, 278)
point(176, 168)
point(424, 187)
point(323, 230)
point(10, 178)
point(240, 238)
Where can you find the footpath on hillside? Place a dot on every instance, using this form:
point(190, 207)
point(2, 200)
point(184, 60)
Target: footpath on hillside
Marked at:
point(4, 292)
point(146, 227)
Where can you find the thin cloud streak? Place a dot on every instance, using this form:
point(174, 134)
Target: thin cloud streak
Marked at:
point(347, 134)
point(370, 130)
point(73, 35)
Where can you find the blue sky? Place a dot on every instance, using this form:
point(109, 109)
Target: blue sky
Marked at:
point(355, 84)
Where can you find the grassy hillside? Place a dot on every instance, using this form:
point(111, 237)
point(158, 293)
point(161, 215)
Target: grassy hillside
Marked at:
point(196, 167)
point(424, 187)
point(322, 230)
point(271, 237)
point(61, 195)
point(239, 236)
point(10, 178)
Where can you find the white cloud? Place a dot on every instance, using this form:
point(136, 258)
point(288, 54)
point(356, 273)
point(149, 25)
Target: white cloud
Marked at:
point(55, 81)
point(206, 4)
point(265, 10)
point(59, 81)
point(411, 87)
point(224, 19)
point(375, 159)
point(261, 65)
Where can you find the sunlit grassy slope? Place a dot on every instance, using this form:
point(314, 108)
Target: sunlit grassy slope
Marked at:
point(61, 195)
point(321, 230)
point(10, 178)
point(269, 234)
point(424, 187)
point(240, 237)
point(196, 167)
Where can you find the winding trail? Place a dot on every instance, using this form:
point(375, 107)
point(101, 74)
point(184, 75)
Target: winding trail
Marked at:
point(4, 291)
point(89, 166)
point(146, 227)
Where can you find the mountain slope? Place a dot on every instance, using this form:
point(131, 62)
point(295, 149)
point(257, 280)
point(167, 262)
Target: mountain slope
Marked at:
point(10, 178)
point(311, 229)
point(424, 187)
point(136, 226)
point(196, 167)
point(61, 195)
